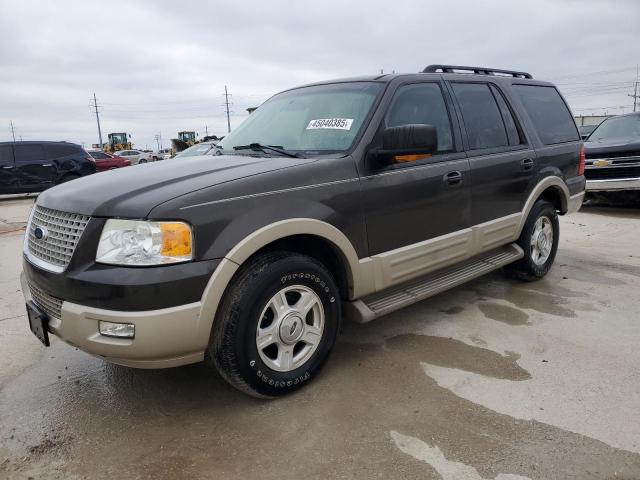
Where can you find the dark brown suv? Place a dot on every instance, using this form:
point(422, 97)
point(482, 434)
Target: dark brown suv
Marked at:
point(348, 198)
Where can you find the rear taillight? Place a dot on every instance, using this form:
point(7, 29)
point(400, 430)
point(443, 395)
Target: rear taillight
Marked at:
point(581, 161)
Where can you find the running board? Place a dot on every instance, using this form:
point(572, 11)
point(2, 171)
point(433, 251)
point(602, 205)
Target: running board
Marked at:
point(397, 297)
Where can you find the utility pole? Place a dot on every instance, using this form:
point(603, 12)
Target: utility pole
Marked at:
point(206, 131)
point(635, 95)
point(13, 132)
point(95, 107)
point(226, 102)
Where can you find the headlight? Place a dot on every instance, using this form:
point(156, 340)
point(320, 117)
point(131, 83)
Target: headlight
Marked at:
point(138, 242)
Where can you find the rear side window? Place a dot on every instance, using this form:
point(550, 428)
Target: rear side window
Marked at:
point(550, 116)
point(58, 150)
point(513, 134)
point(33, 153)
point(422, 103)
point(482, 119)
point(99, 155)
point(6, 155)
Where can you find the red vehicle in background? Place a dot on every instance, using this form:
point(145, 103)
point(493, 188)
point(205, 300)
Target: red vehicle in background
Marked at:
point(108, 161)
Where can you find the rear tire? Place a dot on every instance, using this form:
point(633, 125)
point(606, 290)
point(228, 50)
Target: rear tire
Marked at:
point(539, 241)
point(276, 325)
point(142, 160)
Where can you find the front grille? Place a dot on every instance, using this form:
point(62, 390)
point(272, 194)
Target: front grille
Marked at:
point(62, 229)
point(603, 173)
point(49, 304)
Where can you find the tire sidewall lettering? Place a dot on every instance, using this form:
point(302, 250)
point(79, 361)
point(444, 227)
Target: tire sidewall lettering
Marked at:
point(281, 381)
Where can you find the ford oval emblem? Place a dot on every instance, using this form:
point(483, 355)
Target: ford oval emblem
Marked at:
point(40, 232)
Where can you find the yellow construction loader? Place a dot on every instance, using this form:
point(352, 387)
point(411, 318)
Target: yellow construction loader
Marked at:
point(117, 142)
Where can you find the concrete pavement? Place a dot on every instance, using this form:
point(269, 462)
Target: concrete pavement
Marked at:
point(494, 380)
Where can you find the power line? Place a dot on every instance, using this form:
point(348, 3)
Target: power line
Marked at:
point(588, 74)
point(95, 106)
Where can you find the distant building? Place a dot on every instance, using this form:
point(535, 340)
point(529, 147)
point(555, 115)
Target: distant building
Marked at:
point(584, 120)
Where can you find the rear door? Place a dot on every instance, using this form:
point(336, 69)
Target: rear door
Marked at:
point(34, 170)
point(502, 161)
point(8, 178)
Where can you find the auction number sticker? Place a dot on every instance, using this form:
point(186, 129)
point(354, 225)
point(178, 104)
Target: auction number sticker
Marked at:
point(332, 123)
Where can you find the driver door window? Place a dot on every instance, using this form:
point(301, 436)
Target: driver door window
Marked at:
point(422, 103)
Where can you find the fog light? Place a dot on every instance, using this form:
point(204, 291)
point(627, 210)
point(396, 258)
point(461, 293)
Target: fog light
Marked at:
point(118, 330)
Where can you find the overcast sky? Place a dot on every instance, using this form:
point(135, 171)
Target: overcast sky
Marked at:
point(161, 66)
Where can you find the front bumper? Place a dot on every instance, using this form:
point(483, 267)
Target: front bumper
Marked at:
point(166, 337)
point(613, 184)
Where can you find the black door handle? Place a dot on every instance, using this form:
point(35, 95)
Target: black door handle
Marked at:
point(527, 164)
point(453, 178)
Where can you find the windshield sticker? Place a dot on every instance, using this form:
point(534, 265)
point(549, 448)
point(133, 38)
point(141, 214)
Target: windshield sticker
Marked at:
point(333, 123)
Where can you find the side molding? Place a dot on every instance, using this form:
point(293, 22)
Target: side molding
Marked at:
point(412, 261)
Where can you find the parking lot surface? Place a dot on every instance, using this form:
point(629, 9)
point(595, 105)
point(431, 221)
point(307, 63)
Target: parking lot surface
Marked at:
point(496, 379)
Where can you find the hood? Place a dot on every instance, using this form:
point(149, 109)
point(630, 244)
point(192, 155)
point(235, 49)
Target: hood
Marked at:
point(615, 145)
point(134, 191)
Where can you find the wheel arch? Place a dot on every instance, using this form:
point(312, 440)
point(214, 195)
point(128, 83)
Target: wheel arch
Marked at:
point(302, 235)
point(551, 188)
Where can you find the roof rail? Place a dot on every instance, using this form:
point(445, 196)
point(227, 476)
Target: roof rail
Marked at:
point(477, 70)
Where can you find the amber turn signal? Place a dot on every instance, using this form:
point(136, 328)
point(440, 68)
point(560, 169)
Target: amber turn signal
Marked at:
point(176, 239)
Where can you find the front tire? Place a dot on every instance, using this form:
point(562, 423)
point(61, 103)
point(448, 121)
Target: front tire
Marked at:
point(539, 241)
point(277, 324)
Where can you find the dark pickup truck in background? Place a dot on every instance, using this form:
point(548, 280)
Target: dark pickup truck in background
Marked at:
point(613, 158)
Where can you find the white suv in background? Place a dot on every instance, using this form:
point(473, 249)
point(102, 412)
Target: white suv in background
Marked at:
point(135, 156)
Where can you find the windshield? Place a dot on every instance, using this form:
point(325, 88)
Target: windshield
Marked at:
point(200, 149)
point(618, 128)
point(311, 120)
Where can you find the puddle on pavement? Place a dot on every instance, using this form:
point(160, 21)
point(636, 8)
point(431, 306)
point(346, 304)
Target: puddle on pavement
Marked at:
point(524, 297)
point(121, 422)
point(504, 313)
point(451, 353)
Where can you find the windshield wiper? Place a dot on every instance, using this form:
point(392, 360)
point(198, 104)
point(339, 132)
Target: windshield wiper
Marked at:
point(274, 148)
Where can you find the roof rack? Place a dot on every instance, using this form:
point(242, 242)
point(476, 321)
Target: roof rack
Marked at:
point(477, 70)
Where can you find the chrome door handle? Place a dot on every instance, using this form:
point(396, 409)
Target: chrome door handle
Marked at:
point(7, 168)
point(453, 178)
point(527, 164)
point(46, 165)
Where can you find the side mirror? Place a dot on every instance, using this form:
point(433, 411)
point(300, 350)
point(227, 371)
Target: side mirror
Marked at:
point(408, 142)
